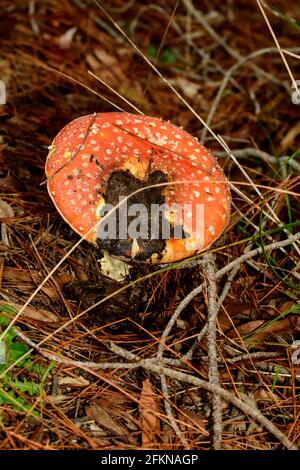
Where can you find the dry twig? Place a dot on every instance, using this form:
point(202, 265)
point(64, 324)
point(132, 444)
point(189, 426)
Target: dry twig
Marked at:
point(211, 334)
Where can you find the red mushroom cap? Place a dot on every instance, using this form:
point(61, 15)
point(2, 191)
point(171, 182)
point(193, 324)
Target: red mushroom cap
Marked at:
point(87, 151)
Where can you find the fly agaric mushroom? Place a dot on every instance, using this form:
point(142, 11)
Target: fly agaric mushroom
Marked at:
point(96, 159)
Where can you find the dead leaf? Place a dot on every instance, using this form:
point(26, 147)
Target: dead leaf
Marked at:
point(38, 314)
point(190, 89)
point(66, 39)
point(6, 71)
point(10, 184)
point(191, 422)
point(149, 413)
point(19, 276)
point(263, 394)
point(105, 57)
point(115, 402)
point(245, 329)
point(290, 324)
point(105, 419)
point(106, 66)
point(58, 399)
